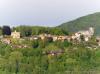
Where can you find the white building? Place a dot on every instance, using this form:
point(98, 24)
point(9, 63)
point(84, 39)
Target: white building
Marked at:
point(15, 35)
point(86, 33)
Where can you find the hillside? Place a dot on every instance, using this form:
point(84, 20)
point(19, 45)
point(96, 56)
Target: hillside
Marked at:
point(83, 23)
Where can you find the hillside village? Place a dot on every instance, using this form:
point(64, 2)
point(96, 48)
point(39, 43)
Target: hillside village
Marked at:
point(49, 36)
point(49, 53)
point(87, 34)
point(51, 50)
point(84, 35)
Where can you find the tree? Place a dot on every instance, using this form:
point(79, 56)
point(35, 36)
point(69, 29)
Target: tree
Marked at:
point(82, 37)
point(6, 30)
point(0, 31)
point(35, 44)
point(25, 30)
point(57, 31)
point(42, 43)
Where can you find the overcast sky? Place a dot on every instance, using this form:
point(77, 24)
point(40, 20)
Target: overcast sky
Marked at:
point(44, 12)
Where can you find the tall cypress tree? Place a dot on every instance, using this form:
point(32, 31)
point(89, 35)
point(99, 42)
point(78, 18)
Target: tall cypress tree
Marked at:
point(6, 30)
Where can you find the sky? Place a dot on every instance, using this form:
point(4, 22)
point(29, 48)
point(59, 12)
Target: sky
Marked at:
point(44, 12)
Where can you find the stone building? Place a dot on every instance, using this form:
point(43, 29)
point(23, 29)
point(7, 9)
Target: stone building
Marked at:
point(87, 34)
point(6, 40)
point(42, 36)
point(15, 34)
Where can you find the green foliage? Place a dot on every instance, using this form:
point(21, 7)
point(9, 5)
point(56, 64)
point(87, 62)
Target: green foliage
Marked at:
point(35, 44)
point(82, 23)
point(33, 60)
point(51, 47)
point(0, 31)
point(25, 30)
point(36, 30)
point(42, 43)
point(63, 44)
point(58, 31)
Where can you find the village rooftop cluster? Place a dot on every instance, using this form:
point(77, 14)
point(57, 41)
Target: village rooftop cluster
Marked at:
point(84, 35)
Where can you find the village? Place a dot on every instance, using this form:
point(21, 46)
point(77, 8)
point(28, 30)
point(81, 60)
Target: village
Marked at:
point(84, 35)
point(65, 49)
point(50, 37)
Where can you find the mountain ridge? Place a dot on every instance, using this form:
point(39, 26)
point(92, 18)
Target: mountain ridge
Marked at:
point(84, 22)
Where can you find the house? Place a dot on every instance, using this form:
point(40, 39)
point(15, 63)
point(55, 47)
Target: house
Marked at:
point(15, 35)
point(87, 34)
point(76, 36)
point(42, 36)
point(61, 38)
point(68, 38)
point(34, 37)
point(54, 38)
point(6, 40)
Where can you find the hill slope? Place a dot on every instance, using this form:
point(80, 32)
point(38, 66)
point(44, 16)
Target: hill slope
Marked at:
point(83, 23)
